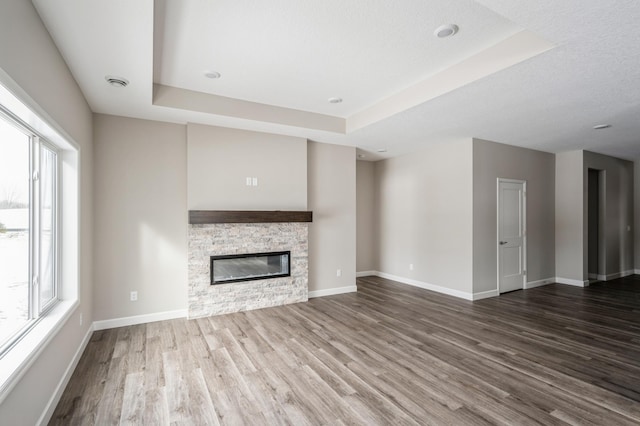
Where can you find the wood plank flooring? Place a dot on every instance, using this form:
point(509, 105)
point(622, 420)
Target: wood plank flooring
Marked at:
point(389, 354)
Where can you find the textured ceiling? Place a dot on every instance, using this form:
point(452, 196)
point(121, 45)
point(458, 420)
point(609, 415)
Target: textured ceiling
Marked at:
point(403, 88)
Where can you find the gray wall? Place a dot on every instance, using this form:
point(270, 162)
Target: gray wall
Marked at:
point(413, 218)
point(572, 248)
point(220, 160)
point(618, 212)
point(140, 216)
point(425, 215)
point(492, 161)
point(332, 234)
point(636, 190)
point(438, 211)
point(366, 245)
point(141, 204)
point(30, 58)
point(569, 216)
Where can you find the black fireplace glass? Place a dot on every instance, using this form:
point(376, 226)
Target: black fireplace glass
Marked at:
point(248, 267)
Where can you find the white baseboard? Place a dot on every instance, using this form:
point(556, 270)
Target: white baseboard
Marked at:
point(616, 275)
point(485, 294)
point(636, 271)
point(55, 398)
point(569, 281)
point(365, 274)
point(139, 319)
point(332, 291)
point(426, 286)
point(539, 283)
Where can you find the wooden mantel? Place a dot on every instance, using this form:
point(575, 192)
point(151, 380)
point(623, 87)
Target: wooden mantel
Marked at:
point(248, 216)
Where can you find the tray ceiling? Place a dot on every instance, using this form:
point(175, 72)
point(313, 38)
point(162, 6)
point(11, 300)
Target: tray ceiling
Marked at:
point(534, 74)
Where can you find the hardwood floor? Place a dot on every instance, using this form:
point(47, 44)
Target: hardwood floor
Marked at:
point(389, 354)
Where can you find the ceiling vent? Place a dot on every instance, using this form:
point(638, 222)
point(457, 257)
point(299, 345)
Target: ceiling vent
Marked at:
point(117, 81)
point(446, 30)
point(212, 74)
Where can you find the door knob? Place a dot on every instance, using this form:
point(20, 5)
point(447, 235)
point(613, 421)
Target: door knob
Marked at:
point(503, 243)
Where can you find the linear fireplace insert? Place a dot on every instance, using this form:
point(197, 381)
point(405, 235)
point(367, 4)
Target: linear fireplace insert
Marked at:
point(247, 267)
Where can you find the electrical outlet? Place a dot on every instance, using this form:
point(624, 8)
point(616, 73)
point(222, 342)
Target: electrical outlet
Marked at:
point(248, 181)
point(411, 266)
point(134, 296)
point(255, 181)
point(339, 273)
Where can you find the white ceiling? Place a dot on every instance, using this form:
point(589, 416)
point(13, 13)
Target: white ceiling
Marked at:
point(535, 74)
point(299, 53)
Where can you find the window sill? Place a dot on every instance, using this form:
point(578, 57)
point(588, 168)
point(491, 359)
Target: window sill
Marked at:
point(18, 359)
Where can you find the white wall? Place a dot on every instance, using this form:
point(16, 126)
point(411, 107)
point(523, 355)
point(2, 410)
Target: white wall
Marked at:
point(332, 234)
point(424, 203)
point(220, 160)
point(140, 217)
point(366, 232)
point(30, 58)
point(492, 161)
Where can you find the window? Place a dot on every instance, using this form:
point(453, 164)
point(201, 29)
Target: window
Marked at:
point(40, 234)
point(28, 229)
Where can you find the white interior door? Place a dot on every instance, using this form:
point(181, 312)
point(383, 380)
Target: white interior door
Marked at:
point(511, 235)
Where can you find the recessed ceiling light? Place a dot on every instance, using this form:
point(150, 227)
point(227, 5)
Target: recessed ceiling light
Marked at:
point(212, 74)
point(601, 126)
point(116, 81)
point(335, 100)
point(382, 150)
point(446, 30)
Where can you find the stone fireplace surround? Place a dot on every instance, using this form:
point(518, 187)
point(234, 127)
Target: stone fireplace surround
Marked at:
point(213, 239)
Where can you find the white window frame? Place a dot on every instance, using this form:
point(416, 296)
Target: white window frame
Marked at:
point(41, 143)
point(35, 311)
point(15, 362)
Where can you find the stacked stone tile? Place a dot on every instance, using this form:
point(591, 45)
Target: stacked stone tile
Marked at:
point(230, 238)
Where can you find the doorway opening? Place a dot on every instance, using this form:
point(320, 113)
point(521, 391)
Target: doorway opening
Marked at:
point(595, 225)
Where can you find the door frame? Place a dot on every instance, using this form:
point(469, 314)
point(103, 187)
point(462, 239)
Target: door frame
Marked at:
point(524, 230)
